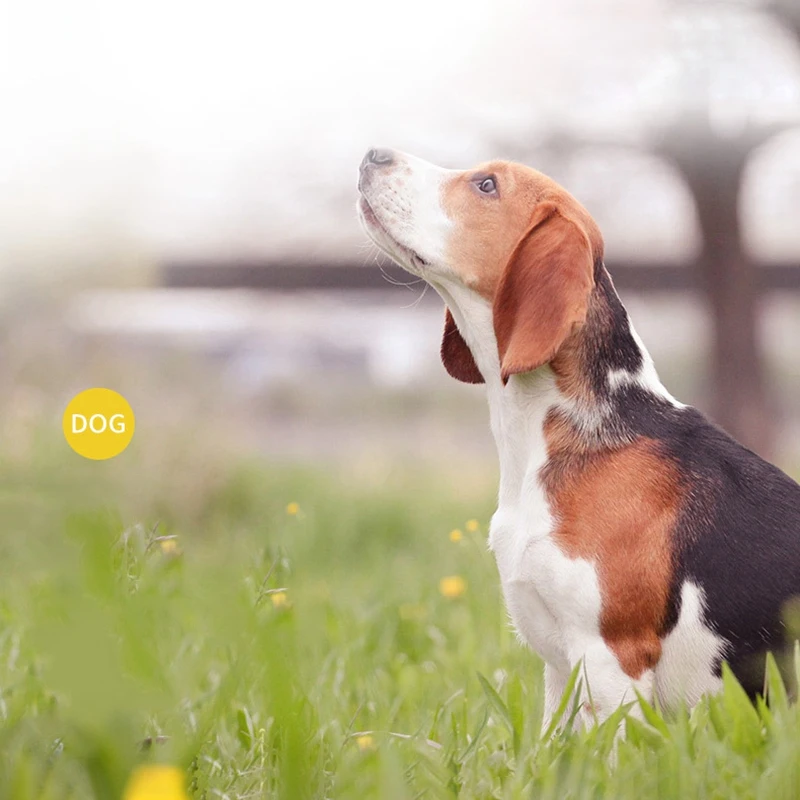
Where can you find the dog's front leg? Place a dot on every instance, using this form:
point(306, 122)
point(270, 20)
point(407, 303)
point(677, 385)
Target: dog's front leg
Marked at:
point(555, 683)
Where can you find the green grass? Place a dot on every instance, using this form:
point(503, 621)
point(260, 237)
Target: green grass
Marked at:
point(359, 680)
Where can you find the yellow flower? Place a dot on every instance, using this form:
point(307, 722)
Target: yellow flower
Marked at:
point(365, 742)
point(456, 535)
point(279, 600)
point(473, 526)
point(452, 586)
point(169, 547)
point(156, 782)
point(292, 509)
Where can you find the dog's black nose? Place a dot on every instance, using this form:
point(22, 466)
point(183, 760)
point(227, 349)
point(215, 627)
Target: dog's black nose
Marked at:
point(378, 156)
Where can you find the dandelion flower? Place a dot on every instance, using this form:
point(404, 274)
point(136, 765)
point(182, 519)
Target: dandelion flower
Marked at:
point(473, 526)
point(292, 509)
point(456, 535)
point(169, 547)
point(279, 599)
point(452, 586)
point(365, 742)
point(156, 782)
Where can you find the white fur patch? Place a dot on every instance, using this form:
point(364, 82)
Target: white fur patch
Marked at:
point(647, 377)
point(689, 654)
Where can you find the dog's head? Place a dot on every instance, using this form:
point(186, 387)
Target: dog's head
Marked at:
point(510, 235)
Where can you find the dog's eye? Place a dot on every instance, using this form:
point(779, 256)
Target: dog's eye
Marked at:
point(487, 186)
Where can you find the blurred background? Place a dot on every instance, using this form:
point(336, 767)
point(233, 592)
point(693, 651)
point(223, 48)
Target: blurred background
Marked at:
point(177, 208)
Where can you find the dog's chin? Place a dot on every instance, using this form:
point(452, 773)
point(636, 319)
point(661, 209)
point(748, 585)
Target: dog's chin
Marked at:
point(407, 258)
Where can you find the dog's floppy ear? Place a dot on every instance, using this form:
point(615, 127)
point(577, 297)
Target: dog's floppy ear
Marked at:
point(544, 291)
point(456, 355)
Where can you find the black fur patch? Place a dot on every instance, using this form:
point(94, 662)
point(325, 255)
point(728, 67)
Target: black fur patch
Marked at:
point(608, 343)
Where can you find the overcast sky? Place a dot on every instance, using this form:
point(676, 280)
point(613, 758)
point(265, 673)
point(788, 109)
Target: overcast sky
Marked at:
point(225, 129)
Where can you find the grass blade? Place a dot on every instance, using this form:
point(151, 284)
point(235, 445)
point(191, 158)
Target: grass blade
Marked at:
point(566, 697)
point(502, 709)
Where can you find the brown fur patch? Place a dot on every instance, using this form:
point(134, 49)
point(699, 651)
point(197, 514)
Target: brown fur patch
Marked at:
point(618, 508)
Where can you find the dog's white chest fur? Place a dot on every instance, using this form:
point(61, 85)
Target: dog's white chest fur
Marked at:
point(553, 600)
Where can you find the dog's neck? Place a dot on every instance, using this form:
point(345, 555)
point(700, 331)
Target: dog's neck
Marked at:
point(581, 387)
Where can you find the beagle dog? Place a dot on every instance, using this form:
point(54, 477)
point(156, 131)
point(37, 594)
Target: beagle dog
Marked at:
point(631, 535)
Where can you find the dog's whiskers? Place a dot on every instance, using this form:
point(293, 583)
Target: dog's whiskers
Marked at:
point(396, 282)
point(419, 299)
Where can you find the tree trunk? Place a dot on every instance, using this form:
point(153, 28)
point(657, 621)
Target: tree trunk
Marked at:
point(738, 401)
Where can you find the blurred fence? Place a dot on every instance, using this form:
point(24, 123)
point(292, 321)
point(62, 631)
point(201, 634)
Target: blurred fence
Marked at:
point(303, 277)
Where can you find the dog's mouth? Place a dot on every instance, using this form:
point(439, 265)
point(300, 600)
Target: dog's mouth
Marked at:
point(405, 256)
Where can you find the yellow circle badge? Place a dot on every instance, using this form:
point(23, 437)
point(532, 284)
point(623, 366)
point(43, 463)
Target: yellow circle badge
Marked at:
point(98, 424)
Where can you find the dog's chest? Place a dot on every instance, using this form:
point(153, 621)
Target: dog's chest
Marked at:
point(553, 600)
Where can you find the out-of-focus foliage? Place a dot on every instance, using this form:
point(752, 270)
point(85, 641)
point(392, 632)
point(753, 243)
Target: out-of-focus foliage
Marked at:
point(289, 637)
